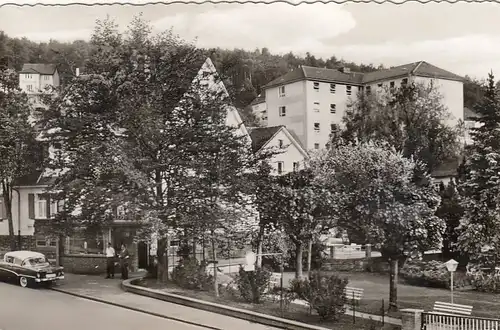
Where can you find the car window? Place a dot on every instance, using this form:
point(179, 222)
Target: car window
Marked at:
point(10, 260)
point(35, 262)
point(17, 261)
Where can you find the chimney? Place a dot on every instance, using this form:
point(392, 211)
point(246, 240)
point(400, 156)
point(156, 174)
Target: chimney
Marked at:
point(77, 72)
point(345, 70)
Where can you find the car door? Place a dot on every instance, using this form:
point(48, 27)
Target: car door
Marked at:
point(6, 268)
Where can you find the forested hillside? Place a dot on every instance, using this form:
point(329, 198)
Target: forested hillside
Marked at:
point(245, 71)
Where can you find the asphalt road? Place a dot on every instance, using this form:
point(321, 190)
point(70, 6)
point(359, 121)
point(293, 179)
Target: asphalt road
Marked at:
point(40, 309)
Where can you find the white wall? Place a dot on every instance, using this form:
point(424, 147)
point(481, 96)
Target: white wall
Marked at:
point(260, 111)
point(452, 93)
point(325, 97)
point(32, 79)
point(27, 224)
point(295, 104)
point(289, 156)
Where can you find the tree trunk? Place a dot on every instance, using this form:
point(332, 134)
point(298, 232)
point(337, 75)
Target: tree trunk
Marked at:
point(298, 260)
point(393, 284)
point(7, 202)
point(162, 264)
point(260, 239)
point(214, 258)
point(194, 249)
point(309, 257)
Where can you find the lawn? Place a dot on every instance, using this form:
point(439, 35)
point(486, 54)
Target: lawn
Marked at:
point(376, 288)
point(293, 312)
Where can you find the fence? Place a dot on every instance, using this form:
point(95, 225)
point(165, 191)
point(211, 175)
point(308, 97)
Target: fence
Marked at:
point(437, 321)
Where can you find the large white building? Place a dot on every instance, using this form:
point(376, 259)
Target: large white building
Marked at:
point(309, 100)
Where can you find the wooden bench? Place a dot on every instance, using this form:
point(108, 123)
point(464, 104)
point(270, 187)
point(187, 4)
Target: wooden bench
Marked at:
point(354, 293)
point(454, 309)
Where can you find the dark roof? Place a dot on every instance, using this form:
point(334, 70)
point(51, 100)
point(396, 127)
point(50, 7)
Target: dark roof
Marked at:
point(34, 179)
point(447, 168)
point(39, 68)
point(421, 69)
point(292, 133)
point(261, 135)
point(259, 99)
point(317, 74)
point(470, 114)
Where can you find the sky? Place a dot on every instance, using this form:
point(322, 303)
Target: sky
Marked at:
point(461, 37)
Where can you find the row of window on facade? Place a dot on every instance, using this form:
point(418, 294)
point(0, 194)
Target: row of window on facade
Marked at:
point(282, 109)
point(30, 76)
point(348, 90)
point(281, 167)
point(40, 206)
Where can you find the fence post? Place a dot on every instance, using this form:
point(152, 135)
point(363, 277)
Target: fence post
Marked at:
point(411, 319)
point(382, 310)
point(353, 309)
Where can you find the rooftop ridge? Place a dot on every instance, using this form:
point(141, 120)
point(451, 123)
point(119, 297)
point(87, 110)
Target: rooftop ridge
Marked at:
point(419, 68)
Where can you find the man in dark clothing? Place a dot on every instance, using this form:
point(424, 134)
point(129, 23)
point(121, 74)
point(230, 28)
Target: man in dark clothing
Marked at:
point(110, 261)
point(124, 258)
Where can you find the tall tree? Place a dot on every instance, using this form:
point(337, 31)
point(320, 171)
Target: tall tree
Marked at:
point(145, 126)
point(480, 228)
point(302, 210)
point(451, 211)
point(18, 146)
point(411, 118)
point(378, 202)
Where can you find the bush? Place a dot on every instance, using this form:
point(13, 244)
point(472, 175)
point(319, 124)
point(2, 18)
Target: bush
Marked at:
point(190, 274)
point(253, 285)
point(431, 274)
point(486, 283)
point(325, 294)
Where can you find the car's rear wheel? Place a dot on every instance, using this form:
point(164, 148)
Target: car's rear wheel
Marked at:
point(23, 281)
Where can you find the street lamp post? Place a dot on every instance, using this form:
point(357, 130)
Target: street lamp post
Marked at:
point(451, 265)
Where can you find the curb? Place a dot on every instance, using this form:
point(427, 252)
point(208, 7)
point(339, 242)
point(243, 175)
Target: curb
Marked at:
point(135, 309)
point(218, 308)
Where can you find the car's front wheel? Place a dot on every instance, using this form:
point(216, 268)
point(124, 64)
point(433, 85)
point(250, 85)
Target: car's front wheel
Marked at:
point(23, 281)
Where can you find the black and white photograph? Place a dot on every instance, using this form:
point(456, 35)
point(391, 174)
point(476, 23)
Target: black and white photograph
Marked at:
point(260, 165)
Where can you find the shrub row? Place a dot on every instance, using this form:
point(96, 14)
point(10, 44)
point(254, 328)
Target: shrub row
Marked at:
point(432, 274)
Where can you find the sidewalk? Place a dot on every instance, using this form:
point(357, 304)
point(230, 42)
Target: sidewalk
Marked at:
point(109, 291)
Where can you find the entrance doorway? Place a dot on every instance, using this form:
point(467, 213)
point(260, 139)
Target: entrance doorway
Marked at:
point(142, 255)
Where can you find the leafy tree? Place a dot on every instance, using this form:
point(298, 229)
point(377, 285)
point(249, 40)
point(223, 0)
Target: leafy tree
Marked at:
point(144, 129)
point(480, 226)
point(379, 203)
point(451, 211)
point(412, 119)
point(18, 145)
point(302, 209)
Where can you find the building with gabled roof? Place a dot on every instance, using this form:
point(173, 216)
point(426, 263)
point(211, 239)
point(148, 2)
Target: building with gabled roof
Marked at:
point(289, 155)
point(311, 101)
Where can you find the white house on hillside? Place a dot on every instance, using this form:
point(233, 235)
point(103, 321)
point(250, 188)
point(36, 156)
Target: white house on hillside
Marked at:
point(34, 78)
point(309, 100)
point(259, 109)
point(290, 154)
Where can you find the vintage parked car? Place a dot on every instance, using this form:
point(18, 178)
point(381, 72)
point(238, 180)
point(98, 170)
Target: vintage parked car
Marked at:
point(28, 268)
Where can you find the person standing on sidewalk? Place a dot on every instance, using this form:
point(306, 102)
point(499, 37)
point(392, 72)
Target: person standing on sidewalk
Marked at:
point(124, 257)
point(110, 261)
